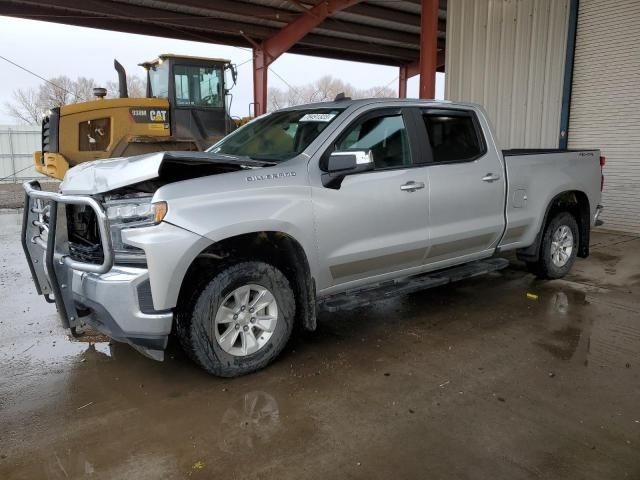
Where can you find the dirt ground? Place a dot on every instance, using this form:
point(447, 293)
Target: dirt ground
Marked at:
point(500, 377)
point(12, 194)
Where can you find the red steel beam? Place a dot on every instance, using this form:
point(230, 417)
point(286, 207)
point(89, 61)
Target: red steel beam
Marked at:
point(402, 81)
point(428, 48)
point(411, 70)
point(266, 52)
point(260, 74)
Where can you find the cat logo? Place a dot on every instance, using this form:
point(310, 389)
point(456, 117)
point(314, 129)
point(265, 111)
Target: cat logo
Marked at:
point(158, 115)
point(149, 115)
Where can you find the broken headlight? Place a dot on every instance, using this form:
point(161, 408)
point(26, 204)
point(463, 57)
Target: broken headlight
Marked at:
point(131, 212)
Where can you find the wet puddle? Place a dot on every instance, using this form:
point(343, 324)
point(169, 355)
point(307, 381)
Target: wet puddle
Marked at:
point(579, 326)
point(57, 348)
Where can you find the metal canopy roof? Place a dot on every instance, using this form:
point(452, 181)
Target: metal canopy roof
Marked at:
point(385, 32)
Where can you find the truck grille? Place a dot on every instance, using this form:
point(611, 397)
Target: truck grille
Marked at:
point(84, 235)
point(86, 253)
point(50, 127)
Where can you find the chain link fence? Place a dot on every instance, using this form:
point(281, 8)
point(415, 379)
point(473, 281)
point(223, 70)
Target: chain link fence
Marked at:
point(17, 144)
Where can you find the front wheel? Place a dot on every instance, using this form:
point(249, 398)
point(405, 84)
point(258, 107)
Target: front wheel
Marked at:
point(559, 247)
point(238, 322)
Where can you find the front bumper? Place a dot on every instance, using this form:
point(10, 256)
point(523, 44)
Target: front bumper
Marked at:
point(118, 304)
point(115, 300)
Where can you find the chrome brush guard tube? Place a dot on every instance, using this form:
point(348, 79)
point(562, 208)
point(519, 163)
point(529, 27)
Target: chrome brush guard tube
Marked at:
point(45, 244)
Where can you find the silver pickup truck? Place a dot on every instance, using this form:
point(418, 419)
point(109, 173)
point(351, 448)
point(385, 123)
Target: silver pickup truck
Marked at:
point(323, 206)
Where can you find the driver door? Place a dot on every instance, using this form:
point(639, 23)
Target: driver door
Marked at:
point(375, 224)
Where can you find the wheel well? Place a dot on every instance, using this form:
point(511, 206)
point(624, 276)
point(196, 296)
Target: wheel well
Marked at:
point(275, 248)
point(574, 202)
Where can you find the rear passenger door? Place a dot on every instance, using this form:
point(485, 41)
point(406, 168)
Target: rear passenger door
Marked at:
point(466, 187)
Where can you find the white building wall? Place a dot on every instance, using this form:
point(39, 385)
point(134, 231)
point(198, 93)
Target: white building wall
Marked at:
point(509, 56)
point(17, 144)
point(605, 102)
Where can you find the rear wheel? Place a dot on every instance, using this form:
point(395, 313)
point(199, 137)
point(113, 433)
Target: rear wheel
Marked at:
point(238, 322)
point(559, 247)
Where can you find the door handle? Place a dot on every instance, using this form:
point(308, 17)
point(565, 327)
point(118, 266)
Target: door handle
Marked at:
point(490, 177)
point(411, 186)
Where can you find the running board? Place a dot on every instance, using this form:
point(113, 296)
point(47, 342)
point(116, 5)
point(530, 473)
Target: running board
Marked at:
point(367, 295)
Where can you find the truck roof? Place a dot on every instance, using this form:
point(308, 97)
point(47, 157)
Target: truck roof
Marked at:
point(347, 102)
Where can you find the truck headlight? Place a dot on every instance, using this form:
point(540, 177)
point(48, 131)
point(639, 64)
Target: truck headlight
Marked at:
point(132, 213)
point(140, 211)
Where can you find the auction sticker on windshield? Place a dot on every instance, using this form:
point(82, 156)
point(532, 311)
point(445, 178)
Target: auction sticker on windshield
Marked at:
point(318, 117)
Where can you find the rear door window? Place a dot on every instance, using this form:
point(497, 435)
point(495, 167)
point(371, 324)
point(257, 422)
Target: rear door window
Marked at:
point(454, 136)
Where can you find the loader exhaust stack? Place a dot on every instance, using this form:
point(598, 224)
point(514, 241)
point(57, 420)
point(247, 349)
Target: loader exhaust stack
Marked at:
point(122, 79)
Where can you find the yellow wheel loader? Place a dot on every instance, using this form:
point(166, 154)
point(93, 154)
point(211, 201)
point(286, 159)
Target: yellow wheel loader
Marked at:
point(185, 109)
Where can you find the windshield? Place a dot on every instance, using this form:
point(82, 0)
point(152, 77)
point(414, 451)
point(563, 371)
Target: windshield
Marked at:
point(277, 136)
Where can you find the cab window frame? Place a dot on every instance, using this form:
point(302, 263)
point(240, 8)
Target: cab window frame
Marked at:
point(428, 156)
point(218, 72)
point(409, 125)
point(187, 62)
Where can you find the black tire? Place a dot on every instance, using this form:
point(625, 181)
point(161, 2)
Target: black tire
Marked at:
point(545, 268)
point(195, 319)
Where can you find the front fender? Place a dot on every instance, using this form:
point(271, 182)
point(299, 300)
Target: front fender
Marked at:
point(170, 250)
point(224, 206)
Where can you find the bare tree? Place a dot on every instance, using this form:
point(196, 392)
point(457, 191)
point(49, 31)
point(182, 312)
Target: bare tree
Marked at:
point(136, 87)
point(56, 92)
point(322, 90)
point(29, 105)
point(376, 92)
point(25, 106)
point(82, 89)
point(276, 99)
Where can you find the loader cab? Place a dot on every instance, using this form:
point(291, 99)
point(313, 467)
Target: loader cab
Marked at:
point(198, 93)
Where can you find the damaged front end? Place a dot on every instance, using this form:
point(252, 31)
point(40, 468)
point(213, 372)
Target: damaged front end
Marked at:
point(147, 173)
point(89, 247)
point(68, 245)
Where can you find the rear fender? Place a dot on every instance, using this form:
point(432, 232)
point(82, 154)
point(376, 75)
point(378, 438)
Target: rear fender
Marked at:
point(532, 252)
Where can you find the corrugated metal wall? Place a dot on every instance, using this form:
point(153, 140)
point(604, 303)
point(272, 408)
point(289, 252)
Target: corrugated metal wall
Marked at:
point(605, 102)
point(509, 55)
point(17, 144)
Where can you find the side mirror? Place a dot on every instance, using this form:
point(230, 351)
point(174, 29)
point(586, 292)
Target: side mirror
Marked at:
point(341, 164)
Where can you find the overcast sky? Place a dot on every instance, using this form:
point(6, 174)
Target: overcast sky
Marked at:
point(51, 50)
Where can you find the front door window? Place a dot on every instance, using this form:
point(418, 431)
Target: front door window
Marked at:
point(385, 136)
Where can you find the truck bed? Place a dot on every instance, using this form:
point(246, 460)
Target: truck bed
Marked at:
point(535, 177)
point(535, 151)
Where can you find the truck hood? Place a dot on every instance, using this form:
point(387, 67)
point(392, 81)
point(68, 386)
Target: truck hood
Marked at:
point(100, 176)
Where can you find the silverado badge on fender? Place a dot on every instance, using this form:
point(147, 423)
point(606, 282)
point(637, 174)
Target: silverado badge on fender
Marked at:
point(270, 176)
